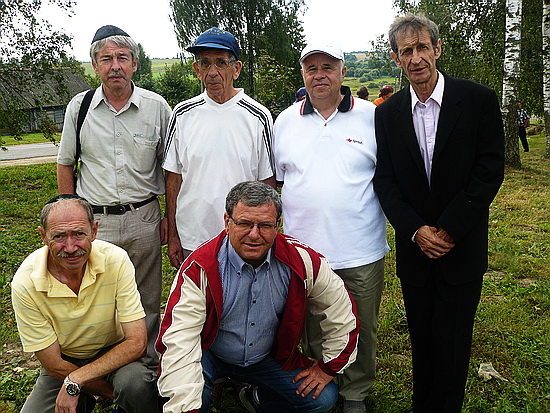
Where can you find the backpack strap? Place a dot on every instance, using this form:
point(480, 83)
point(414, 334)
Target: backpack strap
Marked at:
point(82, 112)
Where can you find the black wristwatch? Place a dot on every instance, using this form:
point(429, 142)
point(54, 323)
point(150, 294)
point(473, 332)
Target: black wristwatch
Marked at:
point(73, 389)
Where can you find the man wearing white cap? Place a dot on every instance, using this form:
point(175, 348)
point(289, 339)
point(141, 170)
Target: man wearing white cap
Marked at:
point(325, 155)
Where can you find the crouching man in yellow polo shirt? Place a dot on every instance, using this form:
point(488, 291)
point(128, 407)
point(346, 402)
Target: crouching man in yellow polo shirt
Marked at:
point(78, 309)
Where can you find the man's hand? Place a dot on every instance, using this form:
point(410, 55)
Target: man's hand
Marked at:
point(175, 251)
point(313, 378)
point(65, 403)
point(164, 231)
point(444, 235)
point(433, 242)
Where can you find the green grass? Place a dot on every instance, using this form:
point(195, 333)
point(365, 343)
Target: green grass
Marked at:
point(512, 324)
point(28, 138)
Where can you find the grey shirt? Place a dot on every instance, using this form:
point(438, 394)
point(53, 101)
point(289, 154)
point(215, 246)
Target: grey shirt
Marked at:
point(122, 151)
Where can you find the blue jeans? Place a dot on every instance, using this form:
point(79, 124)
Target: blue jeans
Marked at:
point(276, 391)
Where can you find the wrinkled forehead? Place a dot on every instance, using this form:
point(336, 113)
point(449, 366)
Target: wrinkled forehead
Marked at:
point(112, 48)
point(67, 213)
point(413, 35)
point(214, 54)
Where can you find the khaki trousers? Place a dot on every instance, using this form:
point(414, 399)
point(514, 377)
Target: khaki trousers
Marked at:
point(365, 284)
point(138, 232)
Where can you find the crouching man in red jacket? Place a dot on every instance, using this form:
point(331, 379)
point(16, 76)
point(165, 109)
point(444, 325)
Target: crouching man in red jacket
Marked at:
point(237, 309)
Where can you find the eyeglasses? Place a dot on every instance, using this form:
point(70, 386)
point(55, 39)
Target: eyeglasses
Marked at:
point(265, 228)
point(63, 237)
point(220, 63)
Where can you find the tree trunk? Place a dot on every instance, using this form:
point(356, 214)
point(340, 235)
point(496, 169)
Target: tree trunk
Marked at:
point(510, 82)
point(546, 70)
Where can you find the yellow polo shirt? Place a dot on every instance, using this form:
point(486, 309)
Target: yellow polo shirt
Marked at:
point(47, 310)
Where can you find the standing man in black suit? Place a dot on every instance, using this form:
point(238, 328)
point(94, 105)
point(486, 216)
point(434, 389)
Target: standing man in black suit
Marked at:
point(440, 164)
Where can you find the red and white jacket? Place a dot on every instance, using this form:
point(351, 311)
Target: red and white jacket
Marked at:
point(194, 309)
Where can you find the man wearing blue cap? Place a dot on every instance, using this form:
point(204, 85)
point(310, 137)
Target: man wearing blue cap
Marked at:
point(215, 140)
point(122, 142)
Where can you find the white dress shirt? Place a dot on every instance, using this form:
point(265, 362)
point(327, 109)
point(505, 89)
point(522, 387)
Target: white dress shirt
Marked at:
point(425, 117)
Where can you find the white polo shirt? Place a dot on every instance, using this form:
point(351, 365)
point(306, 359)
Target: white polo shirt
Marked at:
point(214, 147)
point(327, 168)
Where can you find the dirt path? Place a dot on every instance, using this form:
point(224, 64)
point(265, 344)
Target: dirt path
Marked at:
point(27, 161)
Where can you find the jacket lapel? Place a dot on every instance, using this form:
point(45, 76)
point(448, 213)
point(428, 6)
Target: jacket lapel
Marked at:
point(448, 116)
point(405, 125)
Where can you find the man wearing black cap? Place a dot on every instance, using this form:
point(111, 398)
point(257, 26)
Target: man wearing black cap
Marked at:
point(325, 155)
point(215, 140)
point(78, 309)
point(122, 141)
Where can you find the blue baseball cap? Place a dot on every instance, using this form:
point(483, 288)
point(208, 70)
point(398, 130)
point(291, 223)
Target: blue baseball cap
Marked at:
point(216, 38)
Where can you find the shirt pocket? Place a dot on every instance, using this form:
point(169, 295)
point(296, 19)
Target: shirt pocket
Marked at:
point(145, 151)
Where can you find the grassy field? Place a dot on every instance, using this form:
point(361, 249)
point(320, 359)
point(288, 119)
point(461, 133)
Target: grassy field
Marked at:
point(512, 324)
point(28, 138)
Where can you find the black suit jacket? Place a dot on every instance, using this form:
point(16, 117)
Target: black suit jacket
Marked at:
point(467, 171)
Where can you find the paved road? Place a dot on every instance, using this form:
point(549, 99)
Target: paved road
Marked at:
point(28, 154)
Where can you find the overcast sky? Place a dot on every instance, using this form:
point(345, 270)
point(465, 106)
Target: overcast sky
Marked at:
point(351, 23)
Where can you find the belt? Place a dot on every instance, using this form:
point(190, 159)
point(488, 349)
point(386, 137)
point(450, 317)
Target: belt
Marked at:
point(120, 209)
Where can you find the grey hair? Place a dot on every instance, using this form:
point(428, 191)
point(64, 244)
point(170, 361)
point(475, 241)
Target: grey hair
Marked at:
point(60, 199)
point(120, 41)
point(253, 194)
point(414, 22)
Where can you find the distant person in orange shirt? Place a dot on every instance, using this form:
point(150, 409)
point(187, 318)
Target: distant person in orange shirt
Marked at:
point(385, 92)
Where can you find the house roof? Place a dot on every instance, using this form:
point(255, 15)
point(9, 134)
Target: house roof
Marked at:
point(27, 90)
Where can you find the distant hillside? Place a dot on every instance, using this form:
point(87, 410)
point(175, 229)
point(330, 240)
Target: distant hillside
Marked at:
point(360, 55)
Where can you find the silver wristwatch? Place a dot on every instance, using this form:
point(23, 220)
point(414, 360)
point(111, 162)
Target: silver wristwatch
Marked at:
point(73, 389)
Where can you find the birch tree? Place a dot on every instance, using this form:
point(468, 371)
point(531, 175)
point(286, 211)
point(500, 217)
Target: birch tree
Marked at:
point(473, 37)
point(512, 49)
point(546, 69)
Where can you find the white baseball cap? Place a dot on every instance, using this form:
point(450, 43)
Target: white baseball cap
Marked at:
point(331, 50)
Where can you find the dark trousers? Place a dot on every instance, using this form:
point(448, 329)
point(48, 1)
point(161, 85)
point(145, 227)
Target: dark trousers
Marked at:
point(440, 318)
point(523, 138)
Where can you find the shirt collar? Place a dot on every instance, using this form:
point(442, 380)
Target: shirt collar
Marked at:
point(134, 98)
point(237, 262)
point(45, 282)
point(437, 94)
point(345, 105)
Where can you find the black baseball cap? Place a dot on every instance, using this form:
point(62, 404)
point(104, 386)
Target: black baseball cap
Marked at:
point(108, 31)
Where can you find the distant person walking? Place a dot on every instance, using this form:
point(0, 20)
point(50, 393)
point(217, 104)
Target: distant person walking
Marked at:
point(523, 122)
point(385, 92)
point(363, 93)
